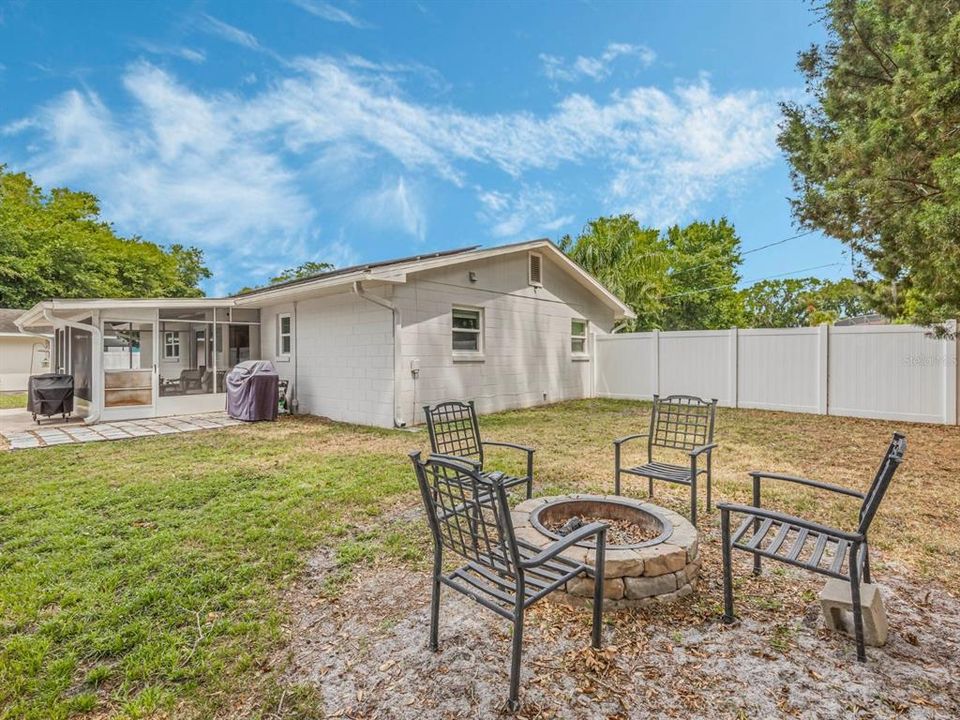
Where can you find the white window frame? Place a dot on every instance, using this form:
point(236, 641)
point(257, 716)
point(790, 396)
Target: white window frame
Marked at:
point(281, 355)
point(171, 339)
point(530, 280)
point(473, 355)
point(585, 338)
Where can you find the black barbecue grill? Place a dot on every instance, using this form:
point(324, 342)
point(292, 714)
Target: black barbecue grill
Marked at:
point(50, 394)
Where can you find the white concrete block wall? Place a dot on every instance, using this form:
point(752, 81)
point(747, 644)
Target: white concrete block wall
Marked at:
point(527, 357)
point(342, 355)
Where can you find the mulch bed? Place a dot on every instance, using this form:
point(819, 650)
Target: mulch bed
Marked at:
point(365, 654)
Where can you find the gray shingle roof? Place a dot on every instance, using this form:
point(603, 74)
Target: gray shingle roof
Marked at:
point(7, 316)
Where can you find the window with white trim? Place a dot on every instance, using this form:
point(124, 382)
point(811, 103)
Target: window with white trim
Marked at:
point(284, 334)
point(535, 269)
point(171, 346)
point(467, 330)
point(578, 336)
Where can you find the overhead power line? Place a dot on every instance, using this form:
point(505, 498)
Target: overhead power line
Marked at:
point(754, 280)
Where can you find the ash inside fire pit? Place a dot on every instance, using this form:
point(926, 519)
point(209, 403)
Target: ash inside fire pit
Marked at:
point(619, 532)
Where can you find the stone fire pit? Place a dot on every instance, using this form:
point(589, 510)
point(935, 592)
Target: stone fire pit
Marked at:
point(661, 569)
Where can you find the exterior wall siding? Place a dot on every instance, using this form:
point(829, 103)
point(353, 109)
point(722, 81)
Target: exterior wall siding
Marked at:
point(341, 354)
point(527, 358)
point(16, 354)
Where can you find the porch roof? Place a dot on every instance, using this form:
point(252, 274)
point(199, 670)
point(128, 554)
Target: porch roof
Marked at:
point(34, 317)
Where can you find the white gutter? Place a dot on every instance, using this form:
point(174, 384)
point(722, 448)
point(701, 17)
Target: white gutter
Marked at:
point(383, 302)
point(96, 364)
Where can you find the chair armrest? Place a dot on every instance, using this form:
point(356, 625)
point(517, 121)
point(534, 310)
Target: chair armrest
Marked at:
point(457, 459)
point(757, 475)
point(790, 519)
point(621, 441)
point(551, 551)
point(524, 448)
point(700, 449)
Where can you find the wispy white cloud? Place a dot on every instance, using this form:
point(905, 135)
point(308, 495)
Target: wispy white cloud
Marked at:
point(600, 67)
point(249, 175)
point(522, 213)
point(326, 11)
point(230, 33)
point(178, 51)
point(395, 205)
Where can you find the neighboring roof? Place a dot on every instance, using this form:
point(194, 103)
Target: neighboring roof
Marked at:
point(867, 319)
point(388, 271)
point(7, 316)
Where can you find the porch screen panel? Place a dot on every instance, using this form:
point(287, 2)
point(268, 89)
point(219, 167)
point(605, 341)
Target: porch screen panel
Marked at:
point(81, 362)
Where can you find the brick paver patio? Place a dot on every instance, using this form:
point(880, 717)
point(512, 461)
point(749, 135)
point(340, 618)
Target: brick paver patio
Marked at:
point(78, 433)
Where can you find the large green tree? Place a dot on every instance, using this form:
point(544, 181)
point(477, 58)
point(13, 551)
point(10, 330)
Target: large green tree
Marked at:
point(56, 245)
point(703, 275)
point(800, 302)
point(876, 155)
point(679, 280)
point(629, 260)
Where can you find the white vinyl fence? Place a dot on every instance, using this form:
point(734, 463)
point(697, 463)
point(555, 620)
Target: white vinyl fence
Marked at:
point(891, 372)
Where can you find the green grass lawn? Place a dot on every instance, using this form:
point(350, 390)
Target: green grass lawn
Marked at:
point(145, 578)
point(13, 401)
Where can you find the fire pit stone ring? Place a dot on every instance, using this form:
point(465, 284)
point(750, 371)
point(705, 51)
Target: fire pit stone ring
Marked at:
point(661, 568)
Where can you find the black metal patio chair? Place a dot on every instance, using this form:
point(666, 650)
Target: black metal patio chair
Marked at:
point(454, 430)
point(470, 517)
point(679, 422)
point(812, 546)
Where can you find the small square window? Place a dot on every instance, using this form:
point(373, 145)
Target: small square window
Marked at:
point(578, 336)
point(467, 330)
point(171, 346)
point(284, 335)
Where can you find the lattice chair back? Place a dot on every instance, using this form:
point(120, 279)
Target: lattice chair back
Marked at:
point(454, 430)
point(878, 488)
point(681, 422)
point(468, 513)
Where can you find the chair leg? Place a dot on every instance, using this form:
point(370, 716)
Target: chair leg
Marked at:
point(529, 475)
point(857, 608)
point(693, 501)
point(728, 616)
point(513, 701)
point(866, 563)
point(616, 469)
point(650, 487)
point(600, 560)
point(435, 602)
point(709, 482)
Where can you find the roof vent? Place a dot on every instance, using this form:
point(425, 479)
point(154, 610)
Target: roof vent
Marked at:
point(536, 269)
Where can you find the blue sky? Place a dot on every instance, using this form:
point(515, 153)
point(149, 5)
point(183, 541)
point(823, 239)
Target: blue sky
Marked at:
point(269, 134)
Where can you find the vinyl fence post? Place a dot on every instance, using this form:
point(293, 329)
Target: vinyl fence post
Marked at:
point(823, 373)
point(656, 364)
point(732, 390)
point(950, 375)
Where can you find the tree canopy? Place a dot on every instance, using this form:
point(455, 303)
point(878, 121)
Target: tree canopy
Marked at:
point(686, 279)
point(799, 302)
point(56, 245)
point(876, 156)
point(678, 280)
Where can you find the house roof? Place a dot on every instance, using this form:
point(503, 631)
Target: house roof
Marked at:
point(396, 271)
point(387, 271)
point(366, 267)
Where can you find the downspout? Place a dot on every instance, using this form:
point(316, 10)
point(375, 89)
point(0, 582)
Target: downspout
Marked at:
point(96, 361)
point(397, 357)
point(294, 402)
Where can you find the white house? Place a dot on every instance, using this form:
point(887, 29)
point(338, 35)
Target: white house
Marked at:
point(20, 355)
point(508, 326)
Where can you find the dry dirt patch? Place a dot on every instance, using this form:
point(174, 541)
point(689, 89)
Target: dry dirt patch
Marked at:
point(365, 653)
